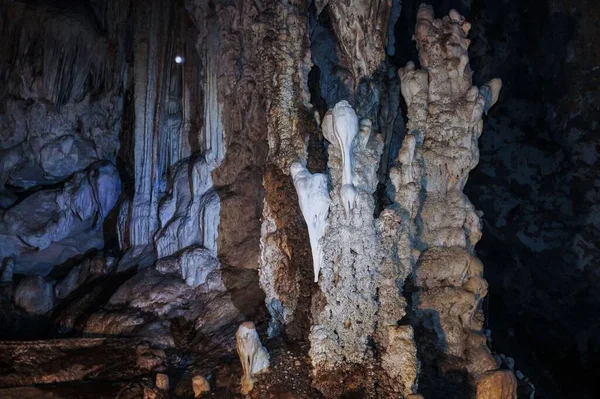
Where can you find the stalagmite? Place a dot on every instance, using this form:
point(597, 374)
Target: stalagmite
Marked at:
point(200, 385)
point(345, 317)
point(437, 155)
point(162, 382)
point(313, 197)
point(253, 356)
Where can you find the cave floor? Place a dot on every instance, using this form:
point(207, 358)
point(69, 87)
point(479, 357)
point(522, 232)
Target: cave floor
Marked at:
point(99, 368)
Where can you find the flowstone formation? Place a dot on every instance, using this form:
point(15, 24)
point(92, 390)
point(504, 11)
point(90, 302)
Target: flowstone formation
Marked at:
point(439, 151)
point(313, 198)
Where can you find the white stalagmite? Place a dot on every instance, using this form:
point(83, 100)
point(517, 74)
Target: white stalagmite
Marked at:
point(313, 197)
point(253, 356)
point(342, 122)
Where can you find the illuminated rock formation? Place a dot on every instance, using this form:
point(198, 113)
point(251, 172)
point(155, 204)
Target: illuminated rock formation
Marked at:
point(253, 356)
point(313, 198)
point(437, 155)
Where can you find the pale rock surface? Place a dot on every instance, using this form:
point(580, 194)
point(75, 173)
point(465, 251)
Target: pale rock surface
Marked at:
point(341, 122)
point(162, 381)
point(400, 359)
point(313, 198)
point(196, 266)
point(253, 356)
point(438, 153)
point(352, 256)
point(35, 295)
point(189, 212)
point(200, 386)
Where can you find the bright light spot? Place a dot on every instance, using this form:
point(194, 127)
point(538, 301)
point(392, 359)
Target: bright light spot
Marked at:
point(179, 59)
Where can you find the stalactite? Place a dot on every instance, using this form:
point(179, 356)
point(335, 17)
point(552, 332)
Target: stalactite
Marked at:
point(66, 51)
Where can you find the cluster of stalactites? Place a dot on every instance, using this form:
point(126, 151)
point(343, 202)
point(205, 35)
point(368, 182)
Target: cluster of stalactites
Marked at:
point(58, 53)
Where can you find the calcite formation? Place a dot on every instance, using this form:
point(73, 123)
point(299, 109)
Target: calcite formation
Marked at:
point(253, 356)
point(313, 198)
point(200, 386)
point(189, 212)
point(438, 153)
point(341, 124)
point(54, 224)
point(361, 27)
point(158, 81)
point(345, 318)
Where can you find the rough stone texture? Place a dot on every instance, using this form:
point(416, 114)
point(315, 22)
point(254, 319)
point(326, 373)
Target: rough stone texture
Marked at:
point(400, 360)
point(231, 41)
point(42, 146)
point(63, 71)
point(7, 270)
point(361, 27)
point(345, 310)
point(35, 295)
point(441, 148)
point(162, 135)
point(196, 266)
point(499, 384)
point(284, 241)
point(38, 226)
point(90, 269)
point(200, 386)
point(186, 286)
point(56, 361)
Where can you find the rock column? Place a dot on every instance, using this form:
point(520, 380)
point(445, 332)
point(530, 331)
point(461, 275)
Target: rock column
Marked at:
point(438, 153)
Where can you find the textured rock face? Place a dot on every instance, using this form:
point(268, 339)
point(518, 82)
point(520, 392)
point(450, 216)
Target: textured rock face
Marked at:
point(253, 356)
point(500, 384)
point(189, 213)
point(166, 106)
point(437, 154)
point(42, 146)
point(35, 295)
point(346, 316)
point(56, 361)
point(359, 303)
point(361, 28)
point(62, 71)
point(284, 243)
point(54, 224)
